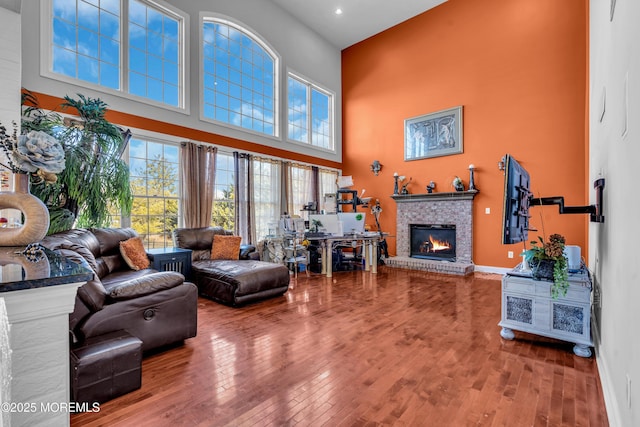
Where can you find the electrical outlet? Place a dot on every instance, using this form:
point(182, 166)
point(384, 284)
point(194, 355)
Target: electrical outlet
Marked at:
point(510, 254)
point(487, 211)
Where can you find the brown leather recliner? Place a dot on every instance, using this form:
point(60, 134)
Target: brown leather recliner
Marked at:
point(159, 308)
point(231, 282)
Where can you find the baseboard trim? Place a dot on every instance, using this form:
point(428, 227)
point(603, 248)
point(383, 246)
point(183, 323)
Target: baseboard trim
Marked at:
point(608, 391)
point(490, 269)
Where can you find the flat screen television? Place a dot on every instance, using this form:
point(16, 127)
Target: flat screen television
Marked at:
point(517, 198)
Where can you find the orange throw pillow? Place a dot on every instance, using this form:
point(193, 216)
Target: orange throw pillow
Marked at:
point(133, 252)
point(225, 247)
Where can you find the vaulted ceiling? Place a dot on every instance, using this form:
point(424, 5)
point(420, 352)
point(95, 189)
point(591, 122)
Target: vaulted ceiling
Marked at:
point(360, 19)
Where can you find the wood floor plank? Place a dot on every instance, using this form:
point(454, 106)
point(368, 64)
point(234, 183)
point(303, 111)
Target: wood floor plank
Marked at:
point(401, 348)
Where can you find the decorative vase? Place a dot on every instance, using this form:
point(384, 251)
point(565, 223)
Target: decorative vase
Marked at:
point(543, 269)
point(36, 215)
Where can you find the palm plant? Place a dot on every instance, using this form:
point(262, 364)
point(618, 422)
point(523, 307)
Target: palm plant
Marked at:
point(95, 178)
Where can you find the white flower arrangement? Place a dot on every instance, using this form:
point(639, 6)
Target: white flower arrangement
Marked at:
point(35, 152)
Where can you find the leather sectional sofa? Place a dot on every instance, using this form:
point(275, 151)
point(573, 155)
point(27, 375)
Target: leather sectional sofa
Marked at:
point(233, 282)
point(159, 308)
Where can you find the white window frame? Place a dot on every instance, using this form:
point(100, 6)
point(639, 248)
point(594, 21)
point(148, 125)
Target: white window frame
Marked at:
point(46, 43)
point(332, 113)
point(208, 17)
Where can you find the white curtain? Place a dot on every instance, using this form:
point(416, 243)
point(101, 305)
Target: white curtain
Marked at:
point(327, 185)
point(244, 197)
point(267, 194)
point(300, 188)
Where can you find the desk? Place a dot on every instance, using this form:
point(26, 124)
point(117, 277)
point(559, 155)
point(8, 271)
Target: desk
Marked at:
point(369, 242)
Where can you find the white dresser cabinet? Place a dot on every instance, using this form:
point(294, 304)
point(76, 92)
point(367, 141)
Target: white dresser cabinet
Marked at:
point(527, 306)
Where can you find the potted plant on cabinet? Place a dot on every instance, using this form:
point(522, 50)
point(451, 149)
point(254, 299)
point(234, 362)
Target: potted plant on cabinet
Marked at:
point(547, 261)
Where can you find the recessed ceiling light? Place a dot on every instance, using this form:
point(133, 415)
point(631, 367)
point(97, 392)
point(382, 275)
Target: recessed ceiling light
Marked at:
point(338, 11)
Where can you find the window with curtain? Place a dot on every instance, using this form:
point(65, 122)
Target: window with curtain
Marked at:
point(239, 76)
point(300, 189)
point(327, 185)
point(131, 46)
point(223, 214)
point(266, 194)
point(153, 168)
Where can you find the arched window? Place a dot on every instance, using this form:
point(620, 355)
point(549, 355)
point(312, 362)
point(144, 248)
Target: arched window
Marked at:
point(239, 77)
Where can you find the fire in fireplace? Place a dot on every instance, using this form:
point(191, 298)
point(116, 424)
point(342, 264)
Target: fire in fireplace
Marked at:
point(433, 241)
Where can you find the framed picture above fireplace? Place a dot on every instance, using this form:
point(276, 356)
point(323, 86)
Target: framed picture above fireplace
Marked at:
point(433, 135)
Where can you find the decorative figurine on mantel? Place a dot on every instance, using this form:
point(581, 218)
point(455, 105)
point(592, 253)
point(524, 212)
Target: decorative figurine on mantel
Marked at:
point(404, 186)
point(457, 184)
point(431, 187)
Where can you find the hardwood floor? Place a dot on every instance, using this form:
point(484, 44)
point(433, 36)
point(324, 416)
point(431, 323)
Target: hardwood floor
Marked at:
point(401, 348)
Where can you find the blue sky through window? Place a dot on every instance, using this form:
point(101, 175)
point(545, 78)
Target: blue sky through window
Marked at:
point(87, 46)
point(238, 75)
point(309, 114)
point(86, 41)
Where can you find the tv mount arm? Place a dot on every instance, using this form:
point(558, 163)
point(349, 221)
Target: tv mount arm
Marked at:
point(594, 210)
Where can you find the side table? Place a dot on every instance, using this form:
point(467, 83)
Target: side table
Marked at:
point(527, 305)
point(171, 259)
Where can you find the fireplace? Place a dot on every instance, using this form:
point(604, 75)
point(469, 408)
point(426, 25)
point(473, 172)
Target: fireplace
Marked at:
point(455, 208)
point(433, 241)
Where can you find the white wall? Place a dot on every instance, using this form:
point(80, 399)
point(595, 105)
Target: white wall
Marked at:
point(614, 155)
point(301, 49)
point(10, 63)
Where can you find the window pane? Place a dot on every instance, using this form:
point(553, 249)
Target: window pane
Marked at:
point(153, 167)
point(236, 60)
point(86, 45)
point(297, 110)
point(223, 213)
point(155, 36)
point(85, 41)
point(310, 114)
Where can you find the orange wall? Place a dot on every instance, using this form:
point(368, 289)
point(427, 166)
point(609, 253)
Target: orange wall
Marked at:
point(518, 68)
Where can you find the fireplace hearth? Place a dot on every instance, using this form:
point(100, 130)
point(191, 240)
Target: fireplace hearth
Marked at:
point(433, 241)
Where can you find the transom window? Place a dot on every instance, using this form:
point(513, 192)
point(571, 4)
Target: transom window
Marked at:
point(154, 54)
point(239, 75)
point(130, 46)
point(310, 113)
point(86, 41)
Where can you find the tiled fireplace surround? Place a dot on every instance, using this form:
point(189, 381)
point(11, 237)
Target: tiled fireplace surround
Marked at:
point(435, 208)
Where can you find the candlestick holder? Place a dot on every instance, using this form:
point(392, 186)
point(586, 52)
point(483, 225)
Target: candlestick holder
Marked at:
point(395, 185)
point(471, 183)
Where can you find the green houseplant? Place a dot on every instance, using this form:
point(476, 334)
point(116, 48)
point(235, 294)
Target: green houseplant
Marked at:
point(547, 261)
point(95, 181)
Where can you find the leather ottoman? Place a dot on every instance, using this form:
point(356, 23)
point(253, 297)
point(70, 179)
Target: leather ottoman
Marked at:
point(240, 282)
point(106, 366)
